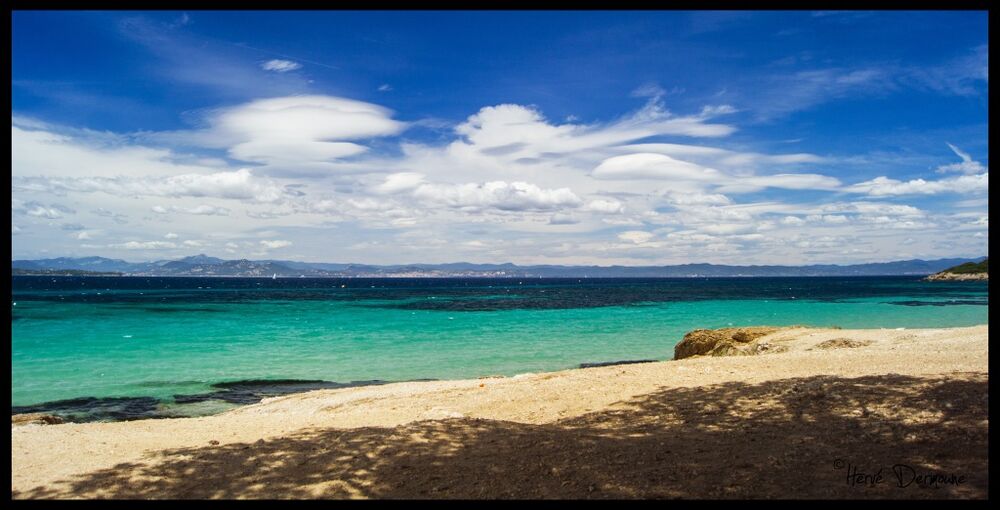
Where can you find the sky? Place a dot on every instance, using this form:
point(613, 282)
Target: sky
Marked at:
point(607, 138)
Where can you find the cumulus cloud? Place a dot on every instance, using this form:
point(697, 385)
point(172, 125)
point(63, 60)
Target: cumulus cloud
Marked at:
point(35, 209)
point(40, 210)
point(885, 186)
point(513, 196)
point(171, 235)
point(604, 206)
point(280, 66)
point(402, 181)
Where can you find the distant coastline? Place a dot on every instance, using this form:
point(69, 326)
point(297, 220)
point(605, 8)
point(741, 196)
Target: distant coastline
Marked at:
point(205, 266)
point(60, 272)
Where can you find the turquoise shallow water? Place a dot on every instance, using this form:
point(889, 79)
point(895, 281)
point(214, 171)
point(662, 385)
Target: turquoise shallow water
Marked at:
point(100, 338)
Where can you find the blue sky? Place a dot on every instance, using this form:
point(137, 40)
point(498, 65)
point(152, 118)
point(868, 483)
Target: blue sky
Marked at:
point(533, 137)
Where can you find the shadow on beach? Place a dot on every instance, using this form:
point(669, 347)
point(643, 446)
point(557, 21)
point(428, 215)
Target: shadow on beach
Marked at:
point(793, 438)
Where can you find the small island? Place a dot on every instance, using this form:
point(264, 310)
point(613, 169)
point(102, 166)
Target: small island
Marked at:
point(963, 272)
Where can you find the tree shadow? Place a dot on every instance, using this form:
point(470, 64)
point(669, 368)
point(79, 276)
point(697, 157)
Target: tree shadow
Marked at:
point(792, 438)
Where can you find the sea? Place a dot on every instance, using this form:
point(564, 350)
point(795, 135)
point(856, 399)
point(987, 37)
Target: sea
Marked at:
point(122, 348)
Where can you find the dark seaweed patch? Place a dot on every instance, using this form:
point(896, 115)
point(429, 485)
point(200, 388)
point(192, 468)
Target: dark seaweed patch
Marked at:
point(612, 363)
point(88, 409)
point(251, 391)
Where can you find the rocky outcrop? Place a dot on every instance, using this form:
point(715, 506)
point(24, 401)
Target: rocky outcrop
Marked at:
point(842, 343)
point(727, 342)
point(35, 419)
point(957, 277)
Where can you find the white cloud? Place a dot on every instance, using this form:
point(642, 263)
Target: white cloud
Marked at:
point(40, 210)
point(538, 189)
point(202, 210)
point(727, 228)
point(884, 186)
point(271, 245)
point(237, 185)
point(403, 181)
point(43, 153)
point(635, 236)
point(143, 245)
point(827, 218)
point(514, 196)
point(695, 198)
point(967, 166)
point(298, 130)
point(604, 206)
point(280, 66)
point(648, 90)
point(385, 87)
point(653, 166)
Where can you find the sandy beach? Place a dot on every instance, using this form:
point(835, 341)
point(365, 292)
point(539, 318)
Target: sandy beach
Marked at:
point(785, 424)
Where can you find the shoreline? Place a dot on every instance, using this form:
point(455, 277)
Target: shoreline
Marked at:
point(90, 459)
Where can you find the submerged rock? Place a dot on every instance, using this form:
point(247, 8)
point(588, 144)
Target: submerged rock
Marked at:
point(726, 342)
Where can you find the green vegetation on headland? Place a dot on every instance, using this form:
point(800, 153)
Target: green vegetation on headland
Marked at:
point(59, 272)
point(970, 267)
point(966, 271)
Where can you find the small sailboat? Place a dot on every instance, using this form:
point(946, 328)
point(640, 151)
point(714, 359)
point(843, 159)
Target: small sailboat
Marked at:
point(274, 276)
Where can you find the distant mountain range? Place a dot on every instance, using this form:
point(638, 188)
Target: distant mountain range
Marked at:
point(203, 265)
